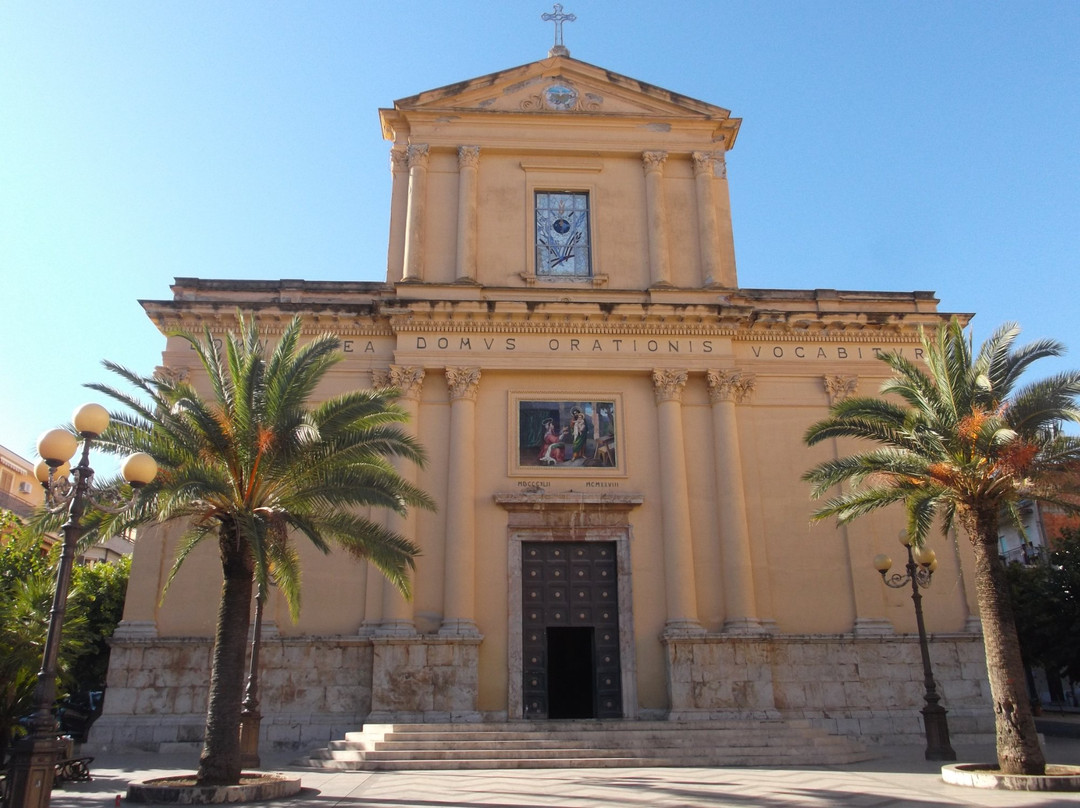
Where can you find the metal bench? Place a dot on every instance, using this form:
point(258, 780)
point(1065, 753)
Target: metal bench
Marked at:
point(73, 770)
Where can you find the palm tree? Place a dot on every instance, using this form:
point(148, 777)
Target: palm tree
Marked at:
point(252, 465)
point(964, 444)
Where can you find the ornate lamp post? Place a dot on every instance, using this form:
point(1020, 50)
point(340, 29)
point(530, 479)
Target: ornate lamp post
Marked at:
point(33, 760)
point(921, 563)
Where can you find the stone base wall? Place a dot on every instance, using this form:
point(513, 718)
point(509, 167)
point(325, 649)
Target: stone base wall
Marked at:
point(311, 690)
point(418, 679)
point(314, 690)
point(870, 688)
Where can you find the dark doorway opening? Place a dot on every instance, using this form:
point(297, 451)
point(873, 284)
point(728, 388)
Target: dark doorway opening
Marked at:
point(571, 672)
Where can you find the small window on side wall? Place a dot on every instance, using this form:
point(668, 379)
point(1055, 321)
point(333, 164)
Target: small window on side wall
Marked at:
point(563, 247)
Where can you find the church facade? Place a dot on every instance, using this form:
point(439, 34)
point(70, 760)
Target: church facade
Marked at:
point(614, 429)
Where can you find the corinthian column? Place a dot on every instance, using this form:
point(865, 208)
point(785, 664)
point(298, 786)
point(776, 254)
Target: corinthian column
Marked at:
point(708, 232)
point(399, 199)
point(726, 389)
point(417, 213)
point(397, 612)
point(659, 268)
point(459, 598)
point(681, 592)
point(468, 160)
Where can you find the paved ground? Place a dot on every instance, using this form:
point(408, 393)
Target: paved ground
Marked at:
point(900, 778)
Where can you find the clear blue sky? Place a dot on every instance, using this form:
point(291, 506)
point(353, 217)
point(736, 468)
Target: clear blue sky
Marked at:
point(885, 145)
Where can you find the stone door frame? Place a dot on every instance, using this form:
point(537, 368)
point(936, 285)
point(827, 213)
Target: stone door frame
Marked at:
point(569, 517)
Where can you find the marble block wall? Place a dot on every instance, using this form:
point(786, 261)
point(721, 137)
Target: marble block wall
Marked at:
point(870, 688)
point(417, 679)
point(311, 690)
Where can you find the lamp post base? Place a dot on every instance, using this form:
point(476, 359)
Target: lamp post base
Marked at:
point(32, 770)
point(937, 733)
point(249, 739)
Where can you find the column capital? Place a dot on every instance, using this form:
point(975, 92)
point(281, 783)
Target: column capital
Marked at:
point(399, 159)
point(668, 384)
point(418, 155)
point(729, 385)
point(408, 380)
point(653, 160)
point(468, 156)
point(464, 383)
point(168, 373)
point(840, 387)
point(703, 163)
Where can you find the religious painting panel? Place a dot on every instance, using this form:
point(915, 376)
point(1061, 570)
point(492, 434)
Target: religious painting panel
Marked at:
point(566, 436)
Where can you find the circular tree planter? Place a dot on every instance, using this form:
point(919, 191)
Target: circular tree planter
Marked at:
point(183, 790)
point(988, 775)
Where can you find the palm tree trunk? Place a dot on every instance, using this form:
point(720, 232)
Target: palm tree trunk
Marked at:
point(1018, 748)
point(219, 763)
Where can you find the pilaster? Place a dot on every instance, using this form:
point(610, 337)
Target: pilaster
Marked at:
point(397, 613)
point(399, 207)
point(726, 389)
point(708, 232)
point(659, 266)
point(867, 597)
point(416, 217)
point(460, 586)
point(468, 163)
point(681, 592)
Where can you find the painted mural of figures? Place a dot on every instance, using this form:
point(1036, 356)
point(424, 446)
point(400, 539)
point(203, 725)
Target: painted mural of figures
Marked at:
point(567, 434)
point(553, 450)
point(578, 434)
point(604, 454)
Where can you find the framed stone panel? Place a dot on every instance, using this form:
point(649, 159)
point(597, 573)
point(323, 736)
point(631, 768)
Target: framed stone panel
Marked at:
point(564, 436)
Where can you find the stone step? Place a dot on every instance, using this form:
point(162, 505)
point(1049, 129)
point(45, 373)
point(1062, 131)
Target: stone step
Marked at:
point(577, 744)
point(770, 757)
point(637, 743)
point(592, 725)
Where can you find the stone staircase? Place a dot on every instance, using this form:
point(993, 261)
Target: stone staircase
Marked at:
point(585, 744)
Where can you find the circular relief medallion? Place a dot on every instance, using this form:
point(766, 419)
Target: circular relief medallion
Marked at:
point(559, 97)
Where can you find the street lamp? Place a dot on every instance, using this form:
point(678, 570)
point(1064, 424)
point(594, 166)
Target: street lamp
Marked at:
point(921, 563)
point(34, 758)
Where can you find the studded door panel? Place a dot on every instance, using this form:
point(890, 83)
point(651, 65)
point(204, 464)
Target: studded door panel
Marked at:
point(570, 584)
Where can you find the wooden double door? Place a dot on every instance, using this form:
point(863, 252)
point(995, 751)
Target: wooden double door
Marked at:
point(570, 630)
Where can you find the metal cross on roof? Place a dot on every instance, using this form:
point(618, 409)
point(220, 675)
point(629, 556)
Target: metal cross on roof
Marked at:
point(558, 18)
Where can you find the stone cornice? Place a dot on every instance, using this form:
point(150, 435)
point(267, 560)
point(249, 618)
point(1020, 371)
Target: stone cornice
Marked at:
point(376, 309)
point(376, 321)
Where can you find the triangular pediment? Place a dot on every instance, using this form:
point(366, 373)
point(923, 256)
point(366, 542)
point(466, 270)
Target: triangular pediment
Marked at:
point(561, 86)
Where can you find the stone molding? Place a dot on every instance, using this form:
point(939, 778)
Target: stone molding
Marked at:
point(668, 384)
point(585, 102)
point(418, 154)
point(175, 375)
point(408, 380)
point(464, 383)
point(710, 164)
point(399, 159)
point(468, 156)
point(703, 163)
point(840, 387)
point(729, 385)
point(653, 160)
